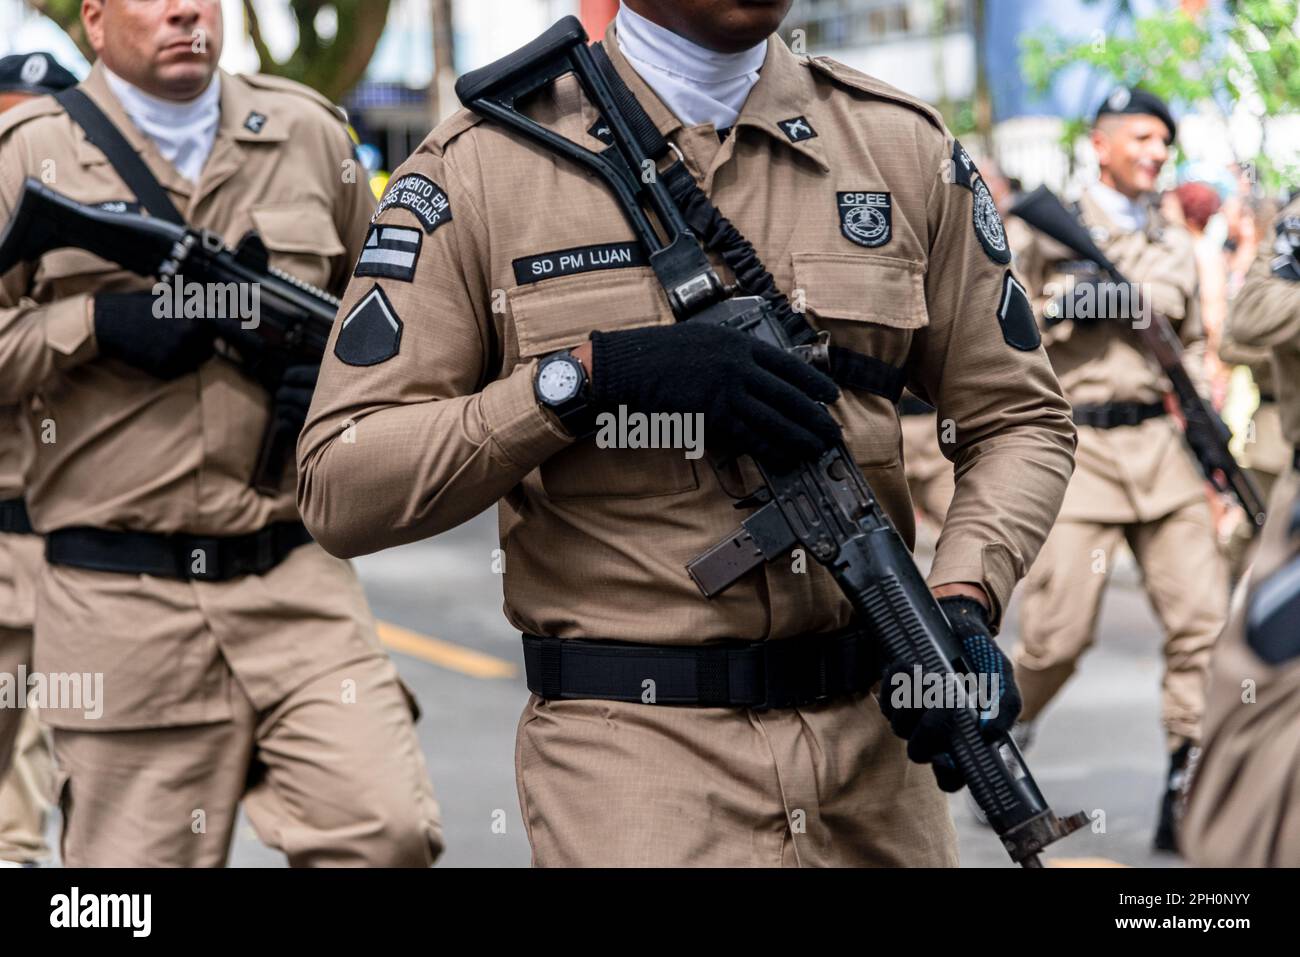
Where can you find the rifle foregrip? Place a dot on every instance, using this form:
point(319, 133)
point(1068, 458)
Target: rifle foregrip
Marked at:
point(912, 630)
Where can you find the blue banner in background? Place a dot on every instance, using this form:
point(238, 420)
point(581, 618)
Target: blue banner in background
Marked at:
point(1079, 90)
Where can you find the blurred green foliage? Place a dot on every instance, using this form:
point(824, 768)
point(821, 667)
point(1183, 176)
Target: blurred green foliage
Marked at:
point(332, 64)
point(1250, 54)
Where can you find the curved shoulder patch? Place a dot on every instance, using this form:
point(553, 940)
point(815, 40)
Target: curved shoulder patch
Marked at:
point(40, 106)
point(266, 81)
point(847, 76)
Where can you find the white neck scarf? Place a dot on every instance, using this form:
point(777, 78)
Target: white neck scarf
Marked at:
point(1130, 214)
point(698, 84)
point(183, 132)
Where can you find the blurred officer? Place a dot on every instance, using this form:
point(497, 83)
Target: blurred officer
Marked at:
point(217, 684)
point(929, 474)
point(518, 262)
point(26, 788)
point(1244, 806)
point(1136, 481)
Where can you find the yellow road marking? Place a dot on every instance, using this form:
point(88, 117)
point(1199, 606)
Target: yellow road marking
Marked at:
point(445, 654)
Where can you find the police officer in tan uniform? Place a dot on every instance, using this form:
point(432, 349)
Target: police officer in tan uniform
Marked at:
point(26, 776)
point(1244, 805)
point(501, 262)
point(247, 666)
point(1136, 481)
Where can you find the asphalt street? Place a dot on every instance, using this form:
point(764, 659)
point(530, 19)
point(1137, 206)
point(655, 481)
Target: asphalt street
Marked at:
point(1099, 747)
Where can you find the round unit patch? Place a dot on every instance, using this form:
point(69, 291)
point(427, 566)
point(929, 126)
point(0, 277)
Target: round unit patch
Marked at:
point(866, 218)
point(988, 224)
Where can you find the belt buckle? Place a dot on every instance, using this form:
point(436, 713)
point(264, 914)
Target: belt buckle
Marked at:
point(210, 547)
point(782, 658)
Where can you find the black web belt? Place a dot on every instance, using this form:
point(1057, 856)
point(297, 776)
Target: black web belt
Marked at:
point(13, 517)
point(789, 673)
point(184, 557)
point(1113, 415)
point(1295, 459)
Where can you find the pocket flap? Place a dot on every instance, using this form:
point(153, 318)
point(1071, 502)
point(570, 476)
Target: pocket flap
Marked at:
point(303, 228)
point(557, 313)
point(862, 288)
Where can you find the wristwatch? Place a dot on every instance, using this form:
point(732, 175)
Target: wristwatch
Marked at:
point(561, 386)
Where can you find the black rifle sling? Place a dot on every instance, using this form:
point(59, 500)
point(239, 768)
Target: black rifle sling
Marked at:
point(852, 369)
point(101, 132)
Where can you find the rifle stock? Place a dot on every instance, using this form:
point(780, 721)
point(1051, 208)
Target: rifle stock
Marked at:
point(294, 318)
point(1203, 429)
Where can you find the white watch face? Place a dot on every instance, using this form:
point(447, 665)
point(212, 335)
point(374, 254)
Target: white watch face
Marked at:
point(558, 381)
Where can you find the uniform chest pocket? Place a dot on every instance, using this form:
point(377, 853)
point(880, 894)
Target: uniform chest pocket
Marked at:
point(560, 313)
point(871, 304)
point(301, 238)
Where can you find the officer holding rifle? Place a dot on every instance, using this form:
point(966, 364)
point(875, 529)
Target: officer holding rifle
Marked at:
point(229, 657)
point(503, 301)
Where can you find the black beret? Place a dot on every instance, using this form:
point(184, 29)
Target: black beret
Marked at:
point(1135, 100)
point(34, 73)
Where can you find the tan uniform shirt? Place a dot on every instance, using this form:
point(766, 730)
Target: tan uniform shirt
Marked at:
point(1243, 810)
point(116, 448)
point(1132, 473)
point(597, 540)
point(1266, 314)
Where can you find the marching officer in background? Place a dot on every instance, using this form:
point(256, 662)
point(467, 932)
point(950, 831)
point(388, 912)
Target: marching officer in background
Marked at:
point(1244, 804)
point(502, 300)
point(239, 661)
point(929, 474)
point(26, 772)
point(1136, 481)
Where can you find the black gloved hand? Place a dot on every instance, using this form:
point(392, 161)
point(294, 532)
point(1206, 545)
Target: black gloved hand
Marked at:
point(756, 399)
point(928, 730)
point(126, 329)
point(293, 398)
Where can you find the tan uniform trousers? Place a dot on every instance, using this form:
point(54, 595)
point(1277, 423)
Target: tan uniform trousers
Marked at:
point(332, 776)
point(15, 653)
point(26, 794)
point(1243, 808)
point(1185, 579)
point(613, 784)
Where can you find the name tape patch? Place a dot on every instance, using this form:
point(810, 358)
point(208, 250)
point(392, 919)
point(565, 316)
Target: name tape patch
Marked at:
point(391, 252)
point(569, 262)
point(421, 197)
point(866, 218)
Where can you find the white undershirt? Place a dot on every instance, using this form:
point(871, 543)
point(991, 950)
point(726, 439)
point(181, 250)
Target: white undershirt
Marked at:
point(698, 84)
point(1130, 214)
point(183, 132)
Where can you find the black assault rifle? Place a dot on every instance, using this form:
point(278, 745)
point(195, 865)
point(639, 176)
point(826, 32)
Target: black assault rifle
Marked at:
point(294, 317)
point(1203, 429)
point(824, 506)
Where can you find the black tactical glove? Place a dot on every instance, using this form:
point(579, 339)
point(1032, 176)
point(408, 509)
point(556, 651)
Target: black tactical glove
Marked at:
point(293, 398)
point(756, 399)
point(1090, 300)
point(126, 329)
point(928, 730)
